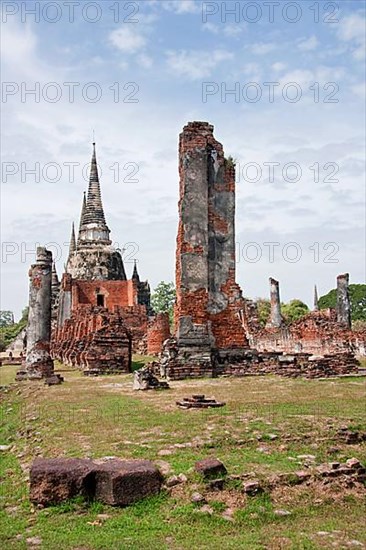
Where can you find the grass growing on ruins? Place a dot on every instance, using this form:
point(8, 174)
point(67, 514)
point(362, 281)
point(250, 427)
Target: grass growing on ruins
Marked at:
point(269, 426)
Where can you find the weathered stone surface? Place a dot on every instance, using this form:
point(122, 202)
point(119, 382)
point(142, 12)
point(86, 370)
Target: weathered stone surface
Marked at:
point(122, 482)
point(54, 380)
point(197, 498)
point(115, 482)
point(55, 480)
point(252, 487)
point(199, 402)
point(210, 467)
point(38, 362)
point(351, 437)
point(172, 481)
point(144, 379)
point(301, 476)
point(343, 302)
point(217, 484)
point(275, 319)
point(353, 463)
point(164, 467)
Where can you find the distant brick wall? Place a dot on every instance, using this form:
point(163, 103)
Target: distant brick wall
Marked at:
point(317, 333)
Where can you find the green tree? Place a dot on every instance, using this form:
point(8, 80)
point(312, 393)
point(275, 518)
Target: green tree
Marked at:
point(8, 333)
point(357, 296)
point(25, 313)
point(294, 310)
point(264, 310)
point(6, 318)
point(163, 298)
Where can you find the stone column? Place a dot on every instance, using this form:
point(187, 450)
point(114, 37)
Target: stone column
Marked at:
point(343, 303)
point(275, 320)
point(38, 363)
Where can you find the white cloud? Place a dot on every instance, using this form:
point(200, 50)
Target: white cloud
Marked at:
point(359, 90)
point(133, 40)
point(145, 60)
point(278, 66)
point(352, 29)
point(252, 71)
point(251, 68)
point(309, 44)
point(321, 74)
point(196, 64)
point(231, 30)
point(181, 6)
point(128, 39)
point(17, 42)
point(211, 27)
point(301, 77)
point(261, 48)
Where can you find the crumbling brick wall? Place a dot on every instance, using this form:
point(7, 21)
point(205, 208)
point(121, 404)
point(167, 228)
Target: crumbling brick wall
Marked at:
point(94, 339)
point(317, 333)
point(157, 332)
point(82, 295)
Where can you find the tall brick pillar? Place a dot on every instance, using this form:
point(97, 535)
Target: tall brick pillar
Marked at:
point(343, 302)
point(191, 316)
point(38, 362)
point(208, 299)
point(275, 320)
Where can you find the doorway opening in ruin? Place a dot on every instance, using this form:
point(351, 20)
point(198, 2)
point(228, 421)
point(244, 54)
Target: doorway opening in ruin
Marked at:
point(100, 300)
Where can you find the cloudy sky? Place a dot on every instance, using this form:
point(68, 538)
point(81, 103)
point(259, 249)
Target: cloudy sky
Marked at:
point(283, 86)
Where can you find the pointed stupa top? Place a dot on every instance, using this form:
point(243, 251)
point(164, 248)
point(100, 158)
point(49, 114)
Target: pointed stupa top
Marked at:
point(72, 240)
point(55, 280)
point(93, 228)
point(316, 304)
point(94, 212)
point(135, 274)
point(83, 210)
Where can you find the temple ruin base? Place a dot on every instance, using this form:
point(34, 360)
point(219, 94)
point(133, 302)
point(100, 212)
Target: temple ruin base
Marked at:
point(179, 363)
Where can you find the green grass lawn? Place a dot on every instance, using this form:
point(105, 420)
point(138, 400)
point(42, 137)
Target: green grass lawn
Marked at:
point(96, 417)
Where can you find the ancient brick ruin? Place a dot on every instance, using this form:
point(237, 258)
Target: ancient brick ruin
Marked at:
point(216, 329)
point(320, 332)
point(100, 317)
point(158, 331)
